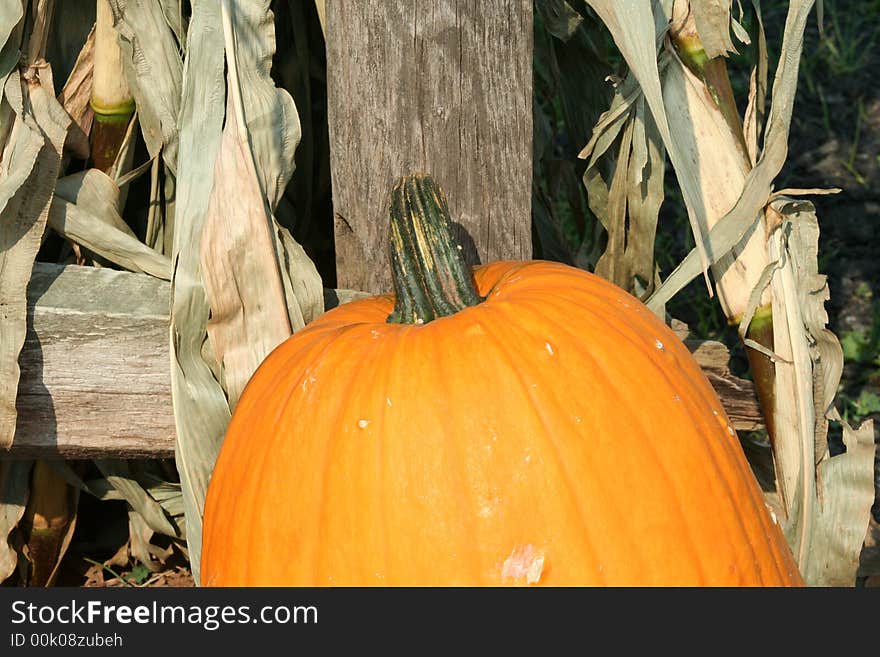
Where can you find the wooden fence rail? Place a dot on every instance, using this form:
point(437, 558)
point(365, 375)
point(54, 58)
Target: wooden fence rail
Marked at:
point(95, 379)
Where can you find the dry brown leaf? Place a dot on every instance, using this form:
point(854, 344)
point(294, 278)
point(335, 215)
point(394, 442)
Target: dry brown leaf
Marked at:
point(239, 265)
point(29, 166)
point(74, 97)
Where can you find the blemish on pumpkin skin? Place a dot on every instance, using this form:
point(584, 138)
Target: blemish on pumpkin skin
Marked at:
point(487, 507)
point(549, 348)
point(388, 401)
point(658, 344)
point(363, 424)
point(524, 565)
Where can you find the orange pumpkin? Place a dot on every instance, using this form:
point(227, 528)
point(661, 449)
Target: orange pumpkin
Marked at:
point(542, 428)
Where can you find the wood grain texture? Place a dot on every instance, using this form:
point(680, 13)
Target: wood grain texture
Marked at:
point(439, 86)
point(96, 372)
point(95, 365)
point(737, 394)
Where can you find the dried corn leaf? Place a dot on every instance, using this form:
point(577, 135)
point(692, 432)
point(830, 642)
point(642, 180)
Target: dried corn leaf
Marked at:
point(241, 242)
point(753, 120)
point(200, 409)
point(75, 95)
point(119, 475)
point(150, 39)
point(828, 498)
point(647, 167)
point(273, 132)
point(719, 161)
point(124, 160)
point(11, 12)
point(713, 25)
point(140, 533)
point(20, 231)
point(72, 496)
point(612, 121)
point(273, 127)
point(637, 28)
point(170, 497)
point(14, 489)
point(303, 288)
point(153, 69)
point(802, 240)
point(561, 19)
point(98, 233)
point(173, 12)
point(239, 266)
point(96, 193)
point(744, 216)
point(609, 205)
point(846, 492)
point(629, 208)
point(167, 493)
point(571, 92)
point(29, 164)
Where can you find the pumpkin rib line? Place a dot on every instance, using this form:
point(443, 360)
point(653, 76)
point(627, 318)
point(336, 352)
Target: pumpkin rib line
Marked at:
point(732, 450)
point(244, 449)
point(555, 450)
point(324, 343)
point(341, 407)
point(726, 447)
point(396, 349)
point(382, 453)
point(459, 457)
point(286, 407)
point(611, 384)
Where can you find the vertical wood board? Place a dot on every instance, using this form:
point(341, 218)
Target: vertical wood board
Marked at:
point(440, 86)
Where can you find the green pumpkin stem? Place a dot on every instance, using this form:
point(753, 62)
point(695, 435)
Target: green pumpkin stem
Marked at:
point(431, 278)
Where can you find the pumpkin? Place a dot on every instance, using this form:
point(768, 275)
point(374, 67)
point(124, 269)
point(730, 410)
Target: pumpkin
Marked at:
point(523, 423)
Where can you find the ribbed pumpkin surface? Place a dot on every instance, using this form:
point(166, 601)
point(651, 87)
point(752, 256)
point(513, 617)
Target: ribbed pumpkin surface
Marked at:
point(558, 433)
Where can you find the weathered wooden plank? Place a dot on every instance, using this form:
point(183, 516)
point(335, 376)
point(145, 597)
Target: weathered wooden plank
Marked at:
point(737, 394)
point(95, 367)
point(440, 86)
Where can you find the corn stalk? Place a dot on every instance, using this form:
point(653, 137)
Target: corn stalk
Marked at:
point(111, 99)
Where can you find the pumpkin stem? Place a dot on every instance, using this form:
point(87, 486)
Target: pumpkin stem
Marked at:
point(431, 278)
